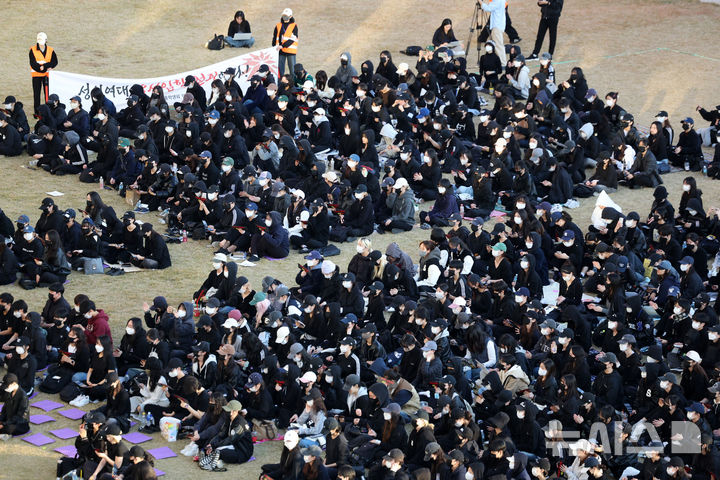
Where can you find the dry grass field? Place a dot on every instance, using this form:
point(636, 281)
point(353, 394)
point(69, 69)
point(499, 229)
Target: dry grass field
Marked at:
point(658, 54)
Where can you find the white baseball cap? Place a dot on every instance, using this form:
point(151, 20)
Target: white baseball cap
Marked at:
point(400, 183)
point(287, 12)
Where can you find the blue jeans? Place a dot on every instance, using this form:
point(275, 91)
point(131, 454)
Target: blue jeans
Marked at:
point(240, 43)
point(307, 442)
point(79, 378)
point(282, 58)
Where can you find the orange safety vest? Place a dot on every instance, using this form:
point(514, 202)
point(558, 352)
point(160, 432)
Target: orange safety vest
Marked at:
point(281, 38)
point(41, 59)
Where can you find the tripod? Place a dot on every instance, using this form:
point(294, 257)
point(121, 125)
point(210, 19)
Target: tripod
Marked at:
point(479, 22)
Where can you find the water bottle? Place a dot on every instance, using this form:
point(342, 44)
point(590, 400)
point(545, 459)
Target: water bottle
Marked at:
point(121, 187)
point(149, 420)
point(462, 210)
point(687, 167)
point(102, 183)
point(143, 420)
point(704, 169)
point(184, 237)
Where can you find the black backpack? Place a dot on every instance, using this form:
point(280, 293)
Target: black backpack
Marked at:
point(216, 43)
point(69, 392)
point(411, 51)
point(57, 378)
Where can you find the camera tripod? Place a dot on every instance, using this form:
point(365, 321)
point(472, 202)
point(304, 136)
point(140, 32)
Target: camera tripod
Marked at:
point(478, 23)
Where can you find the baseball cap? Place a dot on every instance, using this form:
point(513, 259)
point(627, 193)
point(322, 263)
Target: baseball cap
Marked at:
point(431, 345)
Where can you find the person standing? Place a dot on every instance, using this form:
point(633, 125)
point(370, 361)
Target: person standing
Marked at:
point(549, 17)
point(42, 59)
point(497, 26)
point(285, 40)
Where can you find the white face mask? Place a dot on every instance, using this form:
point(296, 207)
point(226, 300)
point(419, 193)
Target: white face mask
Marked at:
point(73, 105)
point(308, 309)
point(28, 237)
point(358, 196)
point(677, 310)
point(268, 222)
point(499, 148)
point(88, 315)
point(376, 108)
point(435, 330)
point(249, 213)
point(20, 350)
point(517, 220)
point(529, 245)
point(623, 346)
point(359, 248)
point(217, 265)
point(227, 134)
point(524, 265)
point(360, 93)
point(609, 102)
point(696, 325)
point(542, 371)
point(99, 348)
point(210, 310)
point(630, 223)
point(567, 244)
point(469, 476)
point(520, 206)
point(484, 118)
point(441, 190)
point(404, 156)
point(130, 331)
point(545, 331)
point(712, 336)
point(507, 135)
point(226, 168)
point(172, 374)
point(567, 278)
point(387, 416)
point(519, 298)
point(563, 340)
point(180, 314)
point(664, 385)
point(169, 129)
point(347, 284)
point(101, 116)
point(496, 253)
point(72, 348)
point(520, 413)
point(612, 325)
point(344, 348)
point(686, 187)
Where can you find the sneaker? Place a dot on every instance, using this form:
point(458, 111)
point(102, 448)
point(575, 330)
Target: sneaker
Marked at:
point(80, 401)
point(426, 226)
point(532, 56)
point(253, 258)
point(5, 437)
point(516, 40)
point(482, 101)
point(33, 162)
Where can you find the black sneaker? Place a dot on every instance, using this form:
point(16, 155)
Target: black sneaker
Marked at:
point(253, 258)
point(532, 56)
point(516, 40)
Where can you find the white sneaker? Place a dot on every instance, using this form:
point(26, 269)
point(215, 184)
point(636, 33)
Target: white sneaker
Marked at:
point(81, 401)
point(74, 401)
point(5, 437)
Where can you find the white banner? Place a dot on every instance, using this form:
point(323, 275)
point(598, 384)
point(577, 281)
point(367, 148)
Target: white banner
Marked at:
point(66, 85)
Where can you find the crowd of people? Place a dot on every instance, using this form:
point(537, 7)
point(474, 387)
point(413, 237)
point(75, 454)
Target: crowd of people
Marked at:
point(474, 357)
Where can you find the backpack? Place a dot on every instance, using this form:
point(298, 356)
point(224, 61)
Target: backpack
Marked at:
point(329, 251)
point(57, 378)
point(583, 191)
point(216, 43)
point(411, 51)
point(70, 392)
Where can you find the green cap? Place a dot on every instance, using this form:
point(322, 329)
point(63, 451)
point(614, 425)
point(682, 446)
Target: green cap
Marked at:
point(259, 297)
point(283, 98)
point(123, 142)
point(500, 246)
point(228, 161)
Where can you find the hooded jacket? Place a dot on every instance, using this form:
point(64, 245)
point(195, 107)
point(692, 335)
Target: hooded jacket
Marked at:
point(276, 235)
point(403, 207)
point(344, 73)
point(183, 329)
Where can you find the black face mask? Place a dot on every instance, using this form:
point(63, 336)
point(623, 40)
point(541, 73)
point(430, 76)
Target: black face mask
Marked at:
point(686, 127)
point(20, 226)
point(88, 206)
point(126, 222)
point(343, 62)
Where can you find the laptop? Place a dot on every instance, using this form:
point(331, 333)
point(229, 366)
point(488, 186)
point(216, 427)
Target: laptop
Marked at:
point(242, 36)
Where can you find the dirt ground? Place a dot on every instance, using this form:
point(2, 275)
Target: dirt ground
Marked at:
point(643, 49)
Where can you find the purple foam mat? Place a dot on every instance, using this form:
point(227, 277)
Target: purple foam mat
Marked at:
point(162, 452)
point(136, 437)
point(41, 418)
point(38, 439)
point(65, 433)
point(67, 450)
point(159, 473)
point(73, 413)
point(47, 405)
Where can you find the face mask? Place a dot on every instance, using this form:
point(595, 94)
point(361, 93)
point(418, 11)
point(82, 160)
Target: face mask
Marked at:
point(344, 348)
point(28, 237)
point(499, 148)
point(180, 314)
point(545, 331)
point(435, 330)
point(518, 221)
point(496, 253)
point(249, 213)
point(529, 245)
point(268, 222)
point(73, 105)
point(609, 102)
point(216, 265)
point(387, 416)
point(130, 331)
point(712, 336)
point(347, 284)
point(469, 476)
point(542, 371)
point(524, 265)
point(536, 82)
point(519, 298)
point(169, 129)
point(359, 93)
point(20, 350)
point(210, 310)
point(567, 244)
point(612, 325)
point(664, 385)
point(677, 310)
point(358, 196)
point(72, 348)
point(308, 309)
point(101, 116)
point(696, 325)
point(88, 315)
point(228, 134)
point(360, 248)
point(686, 187)
point(567, 278)
point(99, 348)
